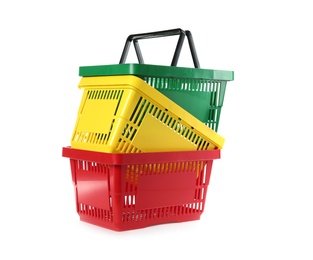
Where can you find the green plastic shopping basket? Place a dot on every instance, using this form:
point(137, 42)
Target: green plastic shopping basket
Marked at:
point(199, 91)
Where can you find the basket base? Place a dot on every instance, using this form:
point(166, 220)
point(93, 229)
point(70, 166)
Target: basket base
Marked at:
point(127, 226)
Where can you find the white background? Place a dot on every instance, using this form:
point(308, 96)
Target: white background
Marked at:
point(260, 198)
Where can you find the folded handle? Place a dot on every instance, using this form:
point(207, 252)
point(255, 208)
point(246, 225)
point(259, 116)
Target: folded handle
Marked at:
point(135, 37)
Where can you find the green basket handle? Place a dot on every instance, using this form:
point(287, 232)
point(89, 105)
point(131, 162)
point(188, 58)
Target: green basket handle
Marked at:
point(141, 36)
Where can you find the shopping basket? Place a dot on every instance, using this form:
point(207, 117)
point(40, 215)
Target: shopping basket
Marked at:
point(130, 191)
point(123, 114)
point(199, 91)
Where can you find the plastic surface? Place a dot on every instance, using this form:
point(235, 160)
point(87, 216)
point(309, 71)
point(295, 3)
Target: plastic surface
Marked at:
point(124, 114)
point(199, 91)
point(130, 191)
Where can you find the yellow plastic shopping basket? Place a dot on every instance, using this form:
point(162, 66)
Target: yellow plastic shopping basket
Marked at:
point(123, 114)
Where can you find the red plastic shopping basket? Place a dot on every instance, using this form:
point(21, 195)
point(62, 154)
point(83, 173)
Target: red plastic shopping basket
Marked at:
point(136, 190)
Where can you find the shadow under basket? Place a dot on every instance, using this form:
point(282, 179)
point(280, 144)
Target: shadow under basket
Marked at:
point(131, 191)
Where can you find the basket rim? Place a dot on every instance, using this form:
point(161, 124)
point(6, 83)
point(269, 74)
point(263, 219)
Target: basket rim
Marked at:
point(140, 158)
point(149, 70)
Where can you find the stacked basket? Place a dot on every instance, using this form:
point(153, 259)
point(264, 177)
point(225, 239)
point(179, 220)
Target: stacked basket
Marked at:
point(145, 139)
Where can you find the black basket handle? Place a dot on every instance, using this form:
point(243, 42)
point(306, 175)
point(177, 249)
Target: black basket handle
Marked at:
point(180, 32)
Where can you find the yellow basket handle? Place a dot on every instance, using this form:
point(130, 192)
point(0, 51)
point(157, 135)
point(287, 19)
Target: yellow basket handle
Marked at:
point(135, 37)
